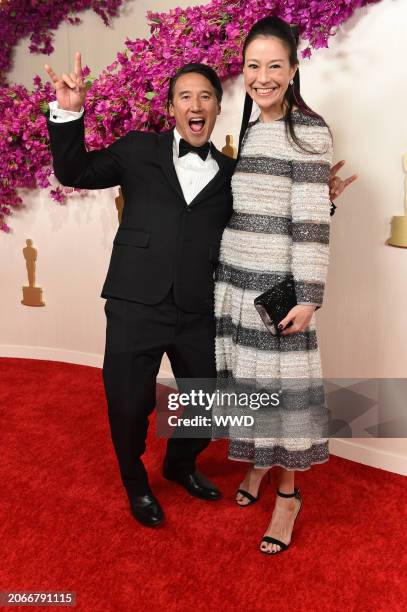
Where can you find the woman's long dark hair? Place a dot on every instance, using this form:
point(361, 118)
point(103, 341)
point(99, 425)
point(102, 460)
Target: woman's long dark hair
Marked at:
point(289, 36)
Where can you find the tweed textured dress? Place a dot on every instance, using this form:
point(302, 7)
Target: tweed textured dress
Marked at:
point(279, 229)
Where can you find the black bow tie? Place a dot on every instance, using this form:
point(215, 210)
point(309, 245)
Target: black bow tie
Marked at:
point(185, 147)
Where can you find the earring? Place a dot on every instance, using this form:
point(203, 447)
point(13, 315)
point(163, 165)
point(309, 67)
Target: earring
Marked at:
point(292, 82)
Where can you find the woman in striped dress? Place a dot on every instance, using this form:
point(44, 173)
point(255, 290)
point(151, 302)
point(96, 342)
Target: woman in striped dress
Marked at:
point(279, 229)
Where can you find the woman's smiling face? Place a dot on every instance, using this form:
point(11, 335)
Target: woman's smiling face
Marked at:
point(267, 74)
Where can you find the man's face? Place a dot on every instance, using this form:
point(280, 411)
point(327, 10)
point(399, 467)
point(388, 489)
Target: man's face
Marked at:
point(195, 108)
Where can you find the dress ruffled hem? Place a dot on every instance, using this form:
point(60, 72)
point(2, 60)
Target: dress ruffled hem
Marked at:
point(269, 457)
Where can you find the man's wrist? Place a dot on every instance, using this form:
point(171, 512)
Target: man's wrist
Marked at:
point(70, 110)
point(61, 115)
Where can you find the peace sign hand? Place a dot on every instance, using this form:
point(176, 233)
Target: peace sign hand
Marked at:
point(70, 89)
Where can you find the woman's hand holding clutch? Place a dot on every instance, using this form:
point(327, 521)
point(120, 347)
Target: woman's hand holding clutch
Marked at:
point(297, 319)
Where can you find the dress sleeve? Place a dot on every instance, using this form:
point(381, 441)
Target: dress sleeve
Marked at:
point(310, 208)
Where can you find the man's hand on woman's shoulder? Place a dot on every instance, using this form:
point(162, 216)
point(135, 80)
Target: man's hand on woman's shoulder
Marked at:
point(336, 184)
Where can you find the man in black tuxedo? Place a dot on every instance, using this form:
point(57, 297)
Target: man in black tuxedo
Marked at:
point(159, 286)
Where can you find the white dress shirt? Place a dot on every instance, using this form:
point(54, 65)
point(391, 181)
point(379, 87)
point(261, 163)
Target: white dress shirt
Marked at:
point(193, 172)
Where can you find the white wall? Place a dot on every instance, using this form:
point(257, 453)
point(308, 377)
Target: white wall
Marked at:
point(359, 86)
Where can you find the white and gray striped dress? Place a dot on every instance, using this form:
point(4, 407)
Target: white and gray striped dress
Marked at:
point(279, 229)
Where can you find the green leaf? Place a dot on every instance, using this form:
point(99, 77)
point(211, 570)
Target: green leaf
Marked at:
point(224, 19)
point(150, 95)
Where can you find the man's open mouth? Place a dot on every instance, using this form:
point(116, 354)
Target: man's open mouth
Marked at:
point(196, 125)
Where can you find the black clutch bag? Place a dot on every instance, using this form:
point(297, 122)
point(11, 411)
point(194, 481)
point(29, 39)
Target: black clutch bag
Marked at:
point(275, 303)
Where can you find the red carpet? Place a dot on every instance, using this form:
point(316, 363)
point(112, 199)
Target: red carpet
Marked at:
point(65, 522)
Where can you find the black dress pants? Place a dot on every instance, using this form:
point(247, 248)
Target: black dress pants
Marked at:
point(137, 336)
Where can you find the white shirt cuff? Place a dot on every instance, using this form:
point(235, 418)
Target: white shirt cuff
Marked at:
point(59, 115)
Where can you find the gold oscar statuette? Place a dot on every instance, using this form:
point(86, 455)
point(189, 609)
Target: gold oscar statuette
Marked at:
point(398, 236)
point(230, 148)
point(32, 295)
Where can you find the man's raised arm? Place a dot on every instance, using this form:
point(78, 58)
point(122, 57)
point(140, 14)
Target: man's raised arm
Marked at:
point(74, 166)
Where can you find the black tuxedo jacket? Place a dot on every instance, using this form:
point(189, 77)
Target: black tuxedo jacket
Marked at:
point(161, 241)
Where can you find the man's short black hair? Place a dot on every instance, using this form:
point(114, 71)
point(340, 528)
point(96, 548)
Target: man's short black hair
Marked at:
point(202, 69)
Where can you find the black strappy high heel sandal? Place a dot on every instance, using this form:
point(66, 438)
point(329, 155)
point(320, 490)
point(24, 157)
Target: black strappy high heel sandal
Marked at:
point(252, 499)
point(269, 539)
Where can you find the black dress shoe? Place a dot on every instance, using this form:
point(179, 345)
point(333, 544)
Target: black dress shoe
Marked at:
point(196, 484)
point(146, 509)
